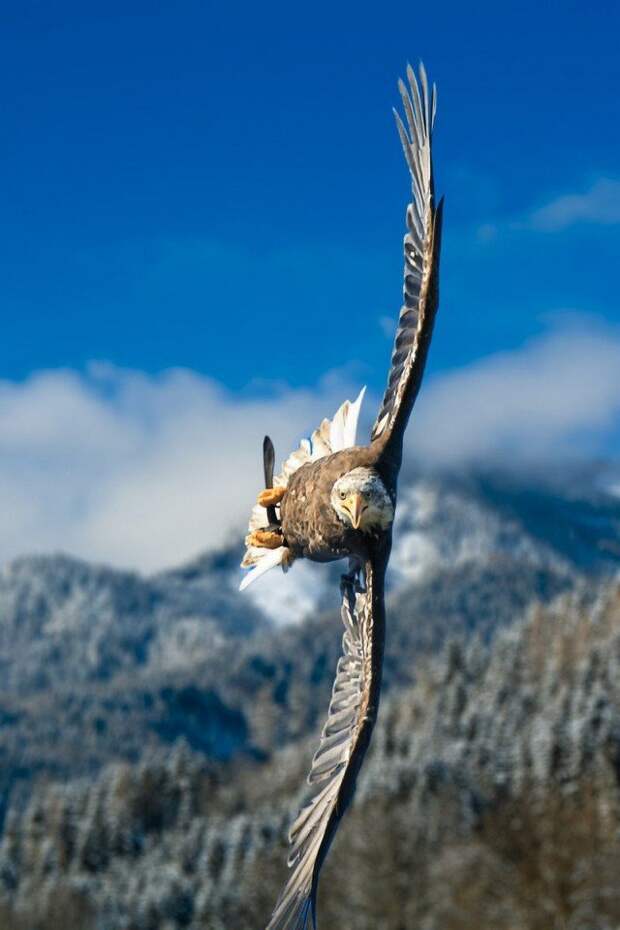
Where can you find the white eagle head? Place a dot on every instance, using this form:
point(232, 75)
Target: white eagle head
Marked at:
point(361, 500)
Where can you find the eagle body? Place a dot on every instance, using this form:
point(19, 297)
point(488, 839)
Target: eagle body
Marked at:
point(335, 499)
point(310, 525)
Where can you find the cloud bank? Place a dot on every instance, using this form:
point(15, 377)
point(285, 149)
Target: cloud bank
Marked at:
point(133, 469)
point(146, 471)
point(556, 397)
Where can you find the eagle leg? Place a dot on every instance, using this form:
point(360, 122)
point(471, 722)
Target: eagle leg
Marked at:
point(271, 496)
point(265, 539)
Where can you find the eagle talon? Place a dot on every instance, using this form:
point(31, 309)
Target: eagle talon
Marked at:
point(265, 539)
point(271, 496)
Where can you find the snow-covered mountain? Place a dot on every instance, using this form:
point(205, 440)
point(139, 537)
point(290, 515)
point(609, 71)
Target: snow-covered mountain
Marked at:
point(98, 664)
point(491, 785)
point(63, 620)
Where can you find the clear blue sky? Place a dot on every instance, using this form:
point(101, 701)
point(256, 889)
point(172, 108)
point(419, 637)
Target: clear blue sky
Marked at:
point(181, 182)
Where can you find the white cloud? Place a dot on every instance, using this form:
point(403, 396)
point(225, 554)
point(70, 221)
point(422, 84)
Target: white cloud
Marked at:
point(147, 471)
point(599, 204)
point(559, 395)
point(137, 470)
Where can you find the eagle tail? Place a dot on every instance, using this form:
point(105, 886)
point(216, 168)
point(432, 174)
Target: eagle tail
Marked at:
point(260, 560)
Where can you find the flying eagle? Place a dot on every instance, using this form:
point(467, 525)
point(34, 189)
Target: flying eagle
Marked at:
point(334, 499)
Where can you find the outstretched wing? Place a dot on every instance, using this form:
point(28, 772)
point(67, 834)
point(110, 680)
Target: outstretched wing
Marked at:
point(344, 740)
point(421, 246)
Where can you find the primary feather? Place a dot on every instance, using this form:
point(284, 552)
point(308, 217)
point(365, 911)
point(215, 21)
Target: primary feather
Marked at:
point(421, 247)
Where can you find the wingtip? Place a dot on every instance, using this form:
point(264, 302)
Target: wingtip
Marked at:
point(402, 132)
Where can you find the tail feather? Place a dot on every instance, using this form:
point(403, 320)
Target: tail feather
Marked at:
point(260, 561)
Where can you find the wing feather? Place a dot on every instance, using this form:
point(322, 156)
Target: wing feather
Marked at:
point(421, 250)
point(344, 740)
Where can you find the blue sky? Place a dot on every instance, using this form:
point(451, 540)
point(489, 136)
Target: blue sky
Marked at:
point(180, 181)
point(201, 220)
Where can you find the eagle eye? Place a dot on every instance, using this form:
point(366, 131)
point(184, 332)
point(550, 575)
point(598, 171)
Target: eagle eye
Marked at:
point(343, 495)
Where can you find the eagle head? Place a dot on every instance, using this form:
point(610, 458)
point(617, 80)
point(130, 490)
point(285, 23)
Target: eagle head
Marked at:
point(361, 500)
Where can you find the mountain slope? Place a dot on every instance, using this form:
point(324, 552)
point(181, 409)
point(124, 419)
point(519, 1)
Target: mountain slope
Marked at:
point(99, 665)
point(491, 798)
point(64, 621)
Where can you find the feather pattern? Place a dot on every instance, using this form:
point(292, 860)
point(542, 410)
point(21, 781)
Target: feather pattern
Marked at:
point(345, 737)
point(421, 249)
point(331, 436)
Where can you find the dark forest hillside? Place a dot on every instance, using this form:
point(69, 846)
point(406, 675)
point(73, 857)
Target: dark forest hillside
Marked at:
point(491, 799)
point(156, 732)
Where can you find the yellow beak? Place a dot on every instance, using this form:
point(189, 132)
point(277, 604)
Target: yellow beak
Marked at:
point(355, 506)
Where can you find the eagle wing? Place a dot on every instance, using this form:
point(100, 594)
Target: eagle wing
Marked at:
point(344, 740)
point(421, 246)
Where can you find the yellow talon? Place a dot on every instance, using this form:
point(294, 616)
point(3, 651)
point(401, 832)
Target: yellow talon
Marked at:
point(271, 496)
point(264, 539)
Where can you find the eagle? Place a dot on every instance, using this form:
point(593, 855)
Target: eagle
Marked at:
point(335, 499)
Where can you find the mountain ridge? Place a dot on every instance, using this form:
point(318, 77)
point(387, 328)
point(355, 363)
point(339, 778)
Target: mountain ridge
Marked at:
point(98, 664)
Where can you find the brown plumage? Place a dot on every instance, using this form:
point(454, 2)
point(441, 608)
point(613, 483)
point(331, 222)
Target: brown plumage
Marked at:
point(333, 500)
point(310, 525)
